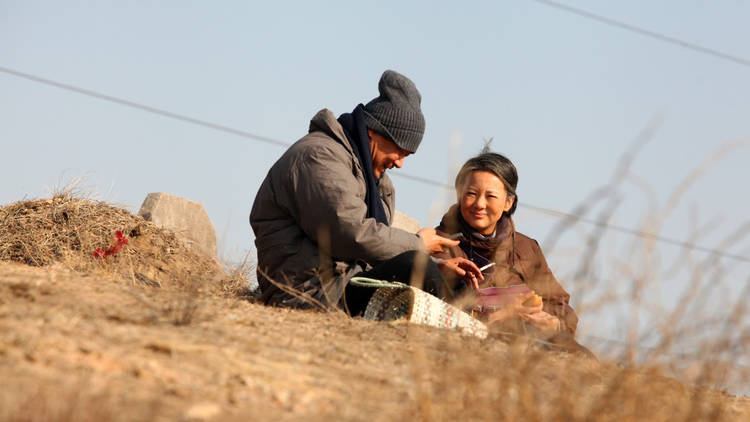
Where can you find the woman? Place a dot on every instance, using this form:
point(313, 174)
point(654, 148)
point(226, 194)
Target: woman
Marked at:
point(486, 189)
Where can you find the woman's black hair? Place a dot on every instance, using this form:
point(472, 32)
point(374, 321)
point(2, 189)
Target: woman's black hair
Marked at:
point(494, 163)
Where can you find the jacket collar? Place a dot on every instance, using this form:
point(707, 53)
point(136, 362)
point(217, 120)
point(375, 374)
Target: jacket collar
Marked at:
point(326, 121)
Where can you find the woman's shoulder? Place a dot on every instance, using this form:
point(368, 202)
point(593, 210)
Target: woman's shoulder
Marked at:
point(529, 254)
point(526, 244)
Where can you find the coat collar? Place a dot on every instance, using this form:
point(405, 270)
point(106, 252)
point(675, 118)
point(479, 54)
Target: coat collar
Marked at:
point(326, 121)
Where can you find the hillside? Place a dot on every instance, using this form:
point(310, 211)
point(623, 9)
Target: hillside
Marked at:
point(85, 338)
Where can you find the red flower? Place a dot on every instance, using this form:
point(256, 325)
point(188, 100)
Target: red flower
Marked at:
point(120, 241)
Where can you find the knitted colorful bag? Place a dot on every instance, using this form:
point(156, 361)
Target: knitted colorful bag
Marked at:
point(393, 300)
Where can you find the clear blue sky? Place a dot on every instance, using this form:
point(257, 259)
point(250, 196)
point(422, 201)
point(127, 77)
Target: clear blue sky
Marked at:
point(564, 97)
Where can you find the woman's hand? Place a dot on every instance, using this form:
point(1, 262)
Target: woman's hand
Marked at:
point(433, 243)
point(465, 269)
point(515, 309)
point(542, 321)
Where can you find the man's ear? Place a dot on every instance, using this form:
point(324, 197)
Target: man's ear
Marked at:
point(373, 140)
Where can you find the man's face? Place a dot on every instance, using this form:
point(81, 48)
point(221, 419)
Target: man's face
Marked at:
point(385, 153)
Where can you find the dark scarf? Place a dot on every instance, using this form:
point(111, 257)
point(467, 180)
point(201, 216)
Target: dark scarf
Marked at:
point(356, 133)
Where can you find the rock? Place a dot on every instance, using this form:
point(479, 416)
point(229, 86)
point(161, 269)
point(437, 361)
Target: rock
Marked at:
point(184, 217)
point(404, 222)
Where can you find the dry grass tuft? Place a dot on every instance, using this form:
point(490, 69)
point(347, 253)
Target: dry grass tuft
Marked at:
point(236, 282)
point(67, 229)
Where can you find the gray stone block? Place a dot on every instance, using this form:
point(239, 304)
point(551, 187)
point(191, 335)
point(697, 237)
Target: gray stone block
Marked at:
point(404, 222)
point(185, 217)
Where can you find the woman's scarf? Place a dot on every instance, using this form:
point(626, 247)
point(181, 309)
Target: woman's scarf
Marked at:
point(356, 133)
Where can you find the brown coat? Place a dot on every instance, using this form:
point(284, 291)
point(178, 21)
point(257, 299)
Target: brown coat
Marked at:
point(518, 260)
point(315, 195)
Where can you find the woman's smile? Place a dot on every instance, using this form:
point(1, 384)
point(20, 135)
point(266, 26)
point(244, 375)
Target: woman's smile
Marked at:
point(483, 200)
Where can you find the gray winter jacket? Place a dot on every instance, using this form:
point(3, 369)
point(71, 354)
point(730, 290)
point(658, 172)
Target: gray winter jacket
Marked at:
point(309, 220)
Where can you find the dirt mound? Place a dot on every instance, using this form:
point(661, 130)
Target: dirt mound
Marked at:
point(75, 345)
point(80, 347)
point(92, 236)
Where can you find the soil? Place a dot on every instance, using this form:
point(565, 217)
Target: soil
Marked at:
point(85, 347)
point(96, 343)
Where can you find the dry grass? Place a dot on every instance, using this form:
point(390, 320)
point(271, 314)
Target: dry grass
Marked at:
point(89, 339)
point(236, 282)
point(84, 347)
point(67, 229)
point(702, 335)
point(74, 400)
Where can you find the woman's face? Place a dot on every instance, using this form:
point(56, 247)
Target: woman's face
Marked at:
point(483, 200)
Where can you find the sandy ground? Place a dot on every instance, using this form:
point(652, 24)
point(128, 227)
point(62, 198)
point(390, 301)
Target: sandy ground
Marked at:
point(91, 347)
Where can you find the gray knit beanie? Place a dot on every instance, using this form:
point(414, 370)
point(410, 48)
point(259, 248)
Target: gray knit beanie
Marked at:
point(396, 113)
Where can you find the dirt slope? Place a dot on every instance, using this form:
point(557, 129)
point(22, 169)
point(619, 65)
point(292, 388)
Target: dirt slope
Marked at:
point(150, 331)
point(87, 347)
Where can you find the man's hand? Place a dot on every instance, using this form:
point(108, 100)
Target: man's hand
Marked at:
point(465, 269)
point(434, 243)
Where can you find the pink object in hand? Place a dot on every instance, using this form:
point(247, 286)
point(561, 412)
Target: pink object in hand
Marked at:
point(493, 298)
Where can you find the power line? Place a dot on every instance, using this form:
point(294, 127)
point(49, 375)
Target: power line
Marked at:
point(416, 178)
point(144, 107)
point(592, 221)
point(639, 233)
point(645, 32)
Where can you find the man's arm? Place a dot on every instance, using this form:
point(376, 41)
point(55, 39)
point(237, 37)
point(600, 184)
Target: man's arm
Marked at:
point(330, 202)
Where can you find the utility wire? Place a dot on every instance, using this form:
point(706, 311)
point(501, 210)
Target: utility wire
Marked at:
point(144, 107)
point(645, 32)
point(592, 221)
point(420, 179)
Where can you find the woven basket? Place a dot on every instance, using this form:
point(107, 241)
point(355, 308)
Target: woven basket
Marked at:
point(394, 301)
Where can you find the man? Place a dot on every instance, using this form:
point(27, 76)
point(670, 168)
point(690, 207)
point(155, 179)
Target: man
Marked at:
point(323, 212)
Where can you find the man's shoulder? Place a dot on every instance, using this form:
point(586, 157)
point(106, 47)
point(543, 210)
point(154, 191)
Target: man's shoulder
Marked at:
point(319, 142)
point(325, 140)
point(315, 147)
point(316, 156)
